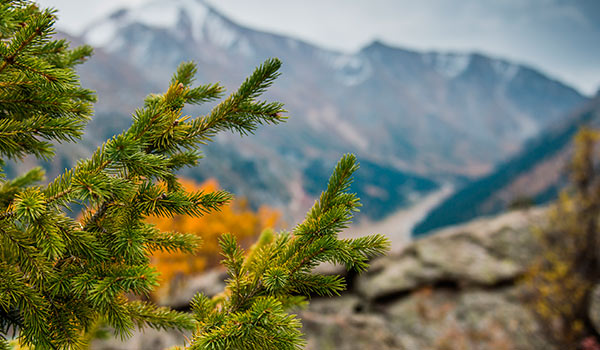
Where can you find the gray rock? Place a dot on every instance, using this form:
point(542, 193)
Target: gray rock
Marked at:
point(594, 307)
point(398, 275)
point(346, 304)
point(448, 319)
point(347, 332)
point(481, 253)
point(462, 258)
point(210, 284)
point(147, 339)
point(458, 289)
point(330, 269)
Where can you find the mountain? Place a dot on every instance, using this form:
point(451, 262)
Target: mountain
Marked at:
point(423, 117)
point(535, 175)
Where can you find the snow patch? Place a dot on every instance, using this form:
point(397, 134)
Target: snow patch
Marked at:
point(219, 32)
point(449, 65)
point(292, 43)
point(244, 47)
point(505, 70)
point(198, 13)
point(347, 62)
point(115, 44)
point(528, 127)
point(350, 69)
point(156, 14)
point(174, 16)
point(159, 14)
point(102, 34)
point(140, 50)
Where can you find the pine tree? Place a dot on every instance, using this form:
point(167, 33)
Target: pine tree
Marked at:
point(59, 276)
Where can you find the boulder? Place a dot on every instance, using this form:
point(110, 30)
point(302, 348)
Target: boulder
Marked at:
point(345, 304)
point(147, 339)
point(456, 289)
point(482, 253)
point(347, 332)
point(594, 308)
point(477, 319)
point(210, 284)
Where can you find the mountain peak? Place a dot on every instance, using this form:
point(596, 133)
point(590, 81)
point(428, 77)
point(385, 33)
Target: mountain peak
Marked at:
point(448, 64)
point(378, 45)
point(154, 14)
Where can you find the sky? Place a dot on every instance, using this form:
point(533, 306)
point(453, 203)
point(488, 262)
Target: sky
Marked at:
point(559, 37)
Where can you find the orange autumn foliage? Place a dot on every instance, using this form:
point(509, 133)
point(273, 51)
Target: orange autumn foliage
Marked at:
point(236, 218)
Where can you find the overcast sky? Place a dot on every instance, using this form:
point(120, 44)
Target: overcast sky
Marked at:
point(560, 37)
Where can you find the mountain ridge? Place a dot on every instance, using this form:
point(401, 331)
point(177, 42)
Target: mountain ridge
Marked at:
point(438, 116)
point(536, 175)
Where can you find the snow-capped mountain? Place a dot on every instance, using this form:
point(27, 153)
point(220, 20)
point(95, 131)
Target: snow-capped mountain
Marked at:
point(182, 22)
point(439, 115)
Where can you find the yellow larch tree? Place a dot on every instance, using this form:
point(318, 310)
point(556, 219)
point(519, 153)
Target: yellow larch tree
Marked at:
point(236, 218)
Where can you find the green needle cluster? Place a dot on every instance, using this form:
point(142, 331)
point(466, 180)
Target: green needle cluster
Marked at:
point(59, 276)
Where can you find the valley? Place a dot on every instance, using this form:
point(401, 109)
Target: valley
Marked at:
point(414, 119)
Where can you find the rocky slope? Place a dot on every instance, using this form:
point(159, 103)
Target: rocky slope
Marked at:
point(457, 289)
point(413, 116)
point(536, 174)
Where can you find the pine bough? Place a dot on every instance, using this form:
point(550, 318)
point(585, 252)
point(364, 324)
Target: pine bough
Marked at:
point(59, 276)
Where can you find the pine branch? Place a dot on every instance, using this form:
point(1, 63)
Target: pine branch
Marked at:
point(279, 267)
point(149, 315)
point(9, 57)
point(60, 275)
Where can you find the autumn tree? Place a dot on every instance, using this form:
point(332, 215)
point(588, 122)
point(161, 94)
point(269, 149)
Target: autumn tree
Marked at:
point(58, 276)
point(561, 278)
point(235, 217)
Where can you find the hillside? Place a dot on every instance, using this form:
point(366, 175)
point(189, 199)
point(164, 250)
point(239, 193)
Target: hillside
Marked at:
point(536, 174)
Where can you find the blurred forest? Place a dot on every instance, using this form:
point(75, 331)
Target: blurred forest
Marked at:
point(236, 218)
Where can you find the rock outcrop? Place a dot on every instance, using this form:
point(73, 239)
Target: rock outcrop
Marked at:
point(594, 308)
point(482, 253)
point(210, 284)
point(456, 289)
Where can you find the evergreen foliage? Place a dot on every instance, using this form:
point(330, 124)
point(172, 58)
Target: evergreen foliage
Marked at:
point(277, 272)
point(237, 217)
point(58, 275)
